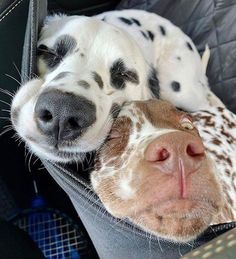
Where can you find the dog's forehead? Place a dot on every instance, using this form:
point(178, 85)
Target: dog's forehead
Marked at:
point(155, 112)
point(93, 43)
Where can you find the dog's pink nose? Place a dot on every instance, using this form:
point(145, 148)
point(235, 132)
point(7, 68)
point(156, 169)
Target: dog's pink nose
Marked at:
point(168, 150)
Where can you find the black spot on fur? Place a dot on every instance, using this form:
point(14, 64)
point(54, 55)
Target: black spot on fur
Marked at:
point(153, 83)
point(126, 21)
point(98, 79)
point(144, 35)
point(84, 84)
point(104, 19)
point(64, 45)
point(175, 86)
point(162, 30)
point(136, 21)
point(115, 109)
point(120, 74)
point(179, 58)
point(82, 55)
point(151, 35)
point(61, 75)
point(189, 46)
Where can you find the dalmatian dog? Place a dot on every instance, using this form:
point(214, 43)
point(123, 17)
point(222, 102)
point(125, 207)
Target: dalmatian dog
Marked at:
point(89, 66)
point(171, 173)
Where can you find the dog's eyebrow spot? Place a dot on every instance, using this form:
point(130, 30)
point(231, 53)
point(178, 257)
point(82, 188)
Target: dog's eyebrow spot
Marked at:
point(175, 86)
point(137, 22)
point(162, 30)
point(61, 75)
point(144, 35)
point(98, 79)
point(120, 74)
point(151, 35)
point(115, 109)
point(84, 84)
point(64, 45)
point(153, 82)
point(126, 21)
point(189, 46)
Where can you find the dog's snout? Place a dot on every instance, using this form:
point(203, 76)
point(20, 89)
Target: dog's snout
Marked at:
point(168, 150)
point(63, 116)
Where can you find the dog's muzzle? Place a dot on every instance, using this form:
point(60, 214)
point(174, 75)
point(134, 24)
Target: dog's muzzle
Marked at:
point(63, 116)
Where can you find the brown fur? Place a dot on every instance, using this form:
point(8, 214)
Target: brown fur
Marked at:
point(153, 199)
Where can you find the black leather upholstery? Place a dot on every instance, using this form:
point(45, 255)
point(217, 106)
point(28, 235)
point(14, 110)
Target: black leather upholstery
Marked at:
point(13, 20)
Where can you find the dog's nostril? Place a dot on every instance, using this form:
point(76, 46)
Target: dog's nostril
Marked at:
point(162, 155)
point(45, 116)
point(73, 123)
point(195, 149)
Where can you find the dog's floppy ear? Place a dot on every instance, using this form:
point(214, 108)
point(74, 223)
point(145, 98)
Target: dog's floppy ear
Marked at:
point(205, 58)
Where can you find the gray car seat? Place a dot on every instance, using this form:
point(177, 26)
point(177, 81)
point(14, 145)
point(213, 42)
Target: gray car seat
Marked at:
point(204, 21)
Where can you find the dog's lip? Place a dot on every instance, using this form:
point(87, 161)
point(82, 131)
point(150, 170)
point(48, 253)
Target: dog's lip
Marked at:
point(179, 208)
point(57, 151)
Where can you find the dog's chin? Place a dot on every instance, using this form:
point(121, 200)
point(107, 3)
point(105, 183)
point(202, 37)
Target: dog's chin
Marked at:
point(166, 222)
point(56, 155)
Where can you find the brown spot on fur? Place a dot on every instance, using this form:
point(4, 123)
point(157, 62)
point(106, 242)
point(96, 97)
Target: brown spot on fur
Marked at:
point(229, 161)
point(229, 123)
point(228, 136)
point(84, 84)
point(116, 141)
point(211, 113)
point(221, 157)
point(216, 141)
point(98, 79)
point(161, 115)
point(227, 172)
point(138, 126)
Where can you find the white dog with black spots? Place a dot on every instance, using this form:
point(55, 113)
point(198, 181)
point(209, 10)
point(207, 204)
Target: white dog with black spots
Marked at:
point(89, 66)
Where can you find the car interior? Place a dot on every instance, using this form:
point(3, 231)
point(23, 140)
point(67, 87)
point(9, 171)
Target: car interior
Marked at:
point(26, 183)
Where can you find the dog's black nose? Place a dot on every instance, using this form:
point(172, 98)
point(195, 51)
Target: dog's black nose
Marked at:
point(63, 116)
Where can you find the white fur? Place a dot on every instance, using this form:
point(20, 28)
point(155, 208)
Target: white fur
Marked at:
point(102, 43)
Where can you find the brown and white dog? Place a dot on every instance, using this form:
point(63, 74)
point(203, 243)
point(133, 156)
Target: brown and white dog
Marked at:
point(155, 170)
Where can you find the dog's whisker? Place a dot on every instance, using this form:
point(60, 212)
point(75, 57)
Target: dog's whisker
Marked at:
point(5, 118)
point(5, 131)
point(13, 78)
point(17, 69)
point(5, 110)
point(8, 104)
point(4, 91)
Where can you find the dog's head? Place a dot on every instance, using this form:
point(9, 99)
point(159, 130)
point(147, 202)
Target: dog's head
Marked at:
point(154, 170)
point(88, 69)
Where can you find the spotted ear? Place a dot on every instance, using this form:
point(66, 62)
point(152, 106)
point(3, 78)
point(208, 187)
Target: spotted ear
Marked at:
point(205, 58)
